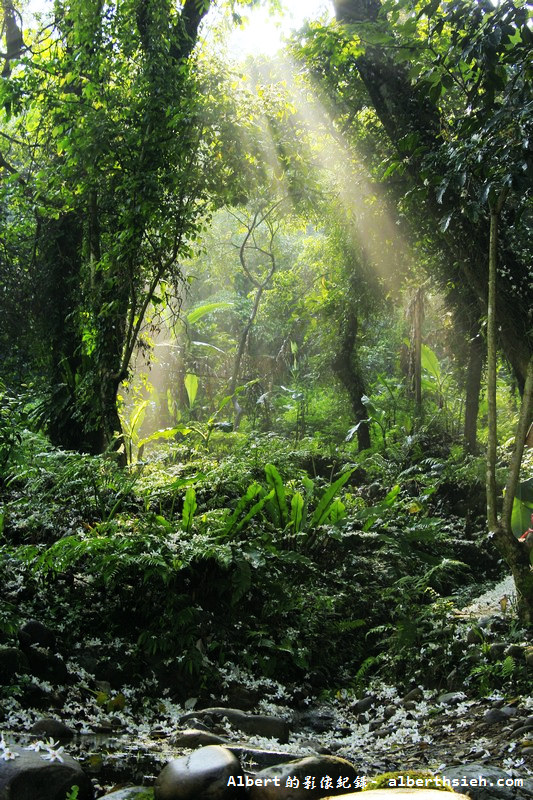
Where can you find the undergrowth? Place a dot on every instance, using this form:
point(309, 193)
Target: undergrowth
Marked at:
point(293, 562)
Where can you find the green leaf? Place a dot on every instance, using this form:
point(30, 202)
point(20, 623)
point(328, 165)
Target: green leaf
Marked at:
point(164, 433)
point(337, 512)
point(254, 510)
point(522, 507)
point(280, 505)
point(389, 499)
point(189, 508)
point(430, 362)
point(253, 490)
point(323, 508)
point(191, 385)
point(196, 314)
point(297, 512)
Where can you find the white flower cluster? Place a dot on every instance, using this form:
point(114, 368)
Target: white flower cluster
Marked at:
point(51, 750)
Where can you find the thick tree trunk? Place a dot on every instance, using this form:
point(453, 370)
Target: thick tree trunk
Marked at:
point(346, 368)
point(474, 372)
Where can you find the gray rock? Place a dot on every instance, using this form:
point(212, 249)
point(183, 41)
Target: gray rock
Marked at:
point(450, 698)
point(254, 759)
point(491, 775)
point(497, 650)
point(192, 737)
point(495, 715)
point(132, 793)
point(316, 767)
point(415, 694)
point(34, 632)
point(364, 704)
point(516, 651)
point(389, 711)
point(29, 777)
point(54, 728)
point(524, 730)
point(202, 775)
point(254, 724)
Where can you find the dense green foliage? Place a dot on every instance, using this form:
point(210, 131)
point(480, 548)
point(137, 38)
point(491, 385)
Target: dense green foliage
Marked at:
point(244, 416)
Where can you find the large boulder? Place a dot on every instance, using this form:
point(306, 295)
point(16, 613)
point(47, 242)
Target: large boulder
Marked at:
point(29, 777)
point(202, 775)
point(253, 724)
point(304, 779)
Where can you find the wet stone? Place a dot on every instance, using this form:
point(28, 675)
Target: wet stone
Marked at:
point(202, 774)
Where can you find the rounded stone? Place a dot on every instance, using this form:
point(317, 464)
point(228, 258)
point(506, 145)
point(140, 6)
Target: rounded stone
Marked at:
point(29, 777)
point(202, 775)
point(53, 728)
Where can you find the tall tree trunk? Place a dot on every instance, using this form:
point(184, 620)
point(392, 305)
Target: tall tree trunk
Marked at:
point(515, 554)
point(241, 349)
point(492, 514)
point(346, 368)
point(474, 372)
point(416, 313)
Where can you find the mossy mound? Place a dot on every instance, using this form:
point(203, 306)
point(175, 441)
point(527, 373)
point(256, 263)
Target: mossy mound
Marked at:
point(410, 779)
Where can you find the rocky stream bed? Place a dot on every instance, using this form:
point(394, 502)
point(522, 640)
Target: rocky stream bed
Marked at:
point(61, 718)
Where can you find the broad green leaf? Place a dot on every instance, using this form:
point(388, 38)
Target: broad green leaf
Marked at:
point(323, 508)
point(391, 496)
point(522, 508)
point(297, 512)
point(197, 313)
point(254, 510)
point(280, 505)
point(164, 433)
point(253, 490)
point(189, 508)
point(430, 362)
point(191, 385)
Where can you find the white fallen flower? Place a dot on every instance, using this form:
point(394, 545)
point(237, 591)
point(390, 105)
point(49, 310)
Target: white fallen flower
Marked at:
point(53, 755)
point(36, 746)
point(8, 755)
